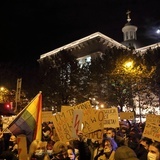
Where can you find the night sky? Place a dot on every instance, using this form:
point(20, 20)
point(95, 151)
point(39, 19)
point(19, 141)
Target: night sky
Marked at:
point(29, 28)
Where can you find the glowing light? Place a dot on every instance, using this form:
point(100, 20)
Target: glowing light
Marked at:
point(128, 65)
point(2, 88)
point(158, 31)
point(102, 105)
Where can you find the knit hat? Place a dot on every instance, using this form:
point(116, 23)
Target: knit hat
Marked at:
point(125, 153)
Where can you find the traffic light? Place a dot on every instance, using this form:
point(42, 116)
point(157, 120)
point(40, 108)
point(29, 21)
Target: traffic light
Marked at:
point(6, 109)
point(8, 105)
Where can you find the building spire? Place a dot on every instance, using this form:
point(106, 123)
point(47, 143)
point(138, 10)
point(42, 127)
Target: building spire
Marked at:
point(128, 16)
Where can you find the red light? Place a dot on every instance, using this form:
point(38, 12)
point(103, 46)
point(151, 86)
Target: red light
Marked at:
point(7, 105)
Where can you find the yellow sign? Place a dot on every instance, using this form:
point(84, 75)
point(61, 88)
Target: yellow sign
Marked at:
point(92, 120)
point(111, 117)
point(152, 131)
point(127, 115)
point(22, 147)
point(47, 116)
point(153, 119)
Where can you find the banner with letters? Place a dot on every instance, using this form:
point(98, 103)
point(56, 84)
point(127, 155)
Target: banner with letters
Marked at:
point(111, 117)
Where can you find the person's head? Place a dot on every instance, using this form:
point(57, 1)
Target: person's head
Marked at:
point(50, 147)
point(12, 140)
point(108, 145)
point(111, 132)
point(60, 150)
point(72, 153)
point(37, 148)
point(154, 151)
point(145, 142)
point(124, 130)
point(125, 153)
point(46, 131)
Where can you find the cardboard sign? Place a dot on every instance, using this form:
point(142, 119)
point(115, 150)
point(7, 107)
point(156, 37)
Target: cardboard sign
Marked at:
point(92, 120)
point(63, 125)
point(127, 115)
point(77, 122)
point(96, 135)
point(65, 108)
point(47, 116)
point(111, 117)
point(22, 147)
point(153, 119)
point(152, 131)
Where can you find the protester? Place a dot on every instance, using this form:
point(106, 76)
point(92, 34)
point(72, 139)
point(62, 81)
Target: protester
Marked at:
point(82, 145)
point(60, 151)
point(37, 150)
point(142, 149)
point(111, 133)
point(154, 151)
point(50, 148)
point(125, 153)
point(95, 147)
point(133, 140)
point(73, 154)
point(12, 152)
point(46, 133)
point(108, 151)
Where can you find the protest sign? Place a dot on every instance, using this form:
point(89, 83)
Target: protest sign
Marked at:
point(153, 119)
point(22, 147)
point(65, 108)
point(92, 120)
point(96, 135)
point(111, 117)
point(63, 126)
point(126, 115)
point(77, 122)
point(152, 131)
point(47, 116)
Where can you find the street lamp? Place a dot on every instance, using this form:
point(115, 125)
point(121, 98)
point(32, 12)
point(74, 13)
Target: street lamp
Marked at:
point(128, 67)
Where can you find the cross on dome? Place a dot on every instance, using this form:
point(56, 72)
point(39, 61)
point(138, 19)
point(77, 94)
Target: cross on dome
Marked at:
point(128, 16)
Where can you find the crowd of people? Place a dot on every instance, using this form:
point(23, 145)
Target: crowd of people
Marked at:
point(124, 143)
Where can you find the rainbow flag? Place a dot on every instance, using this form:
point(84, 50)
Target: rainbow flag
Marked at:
point(29, 120)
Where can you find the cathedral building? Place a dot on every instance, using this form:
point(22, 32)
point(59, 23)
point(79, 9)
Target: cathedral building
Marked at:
point(96, 43)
